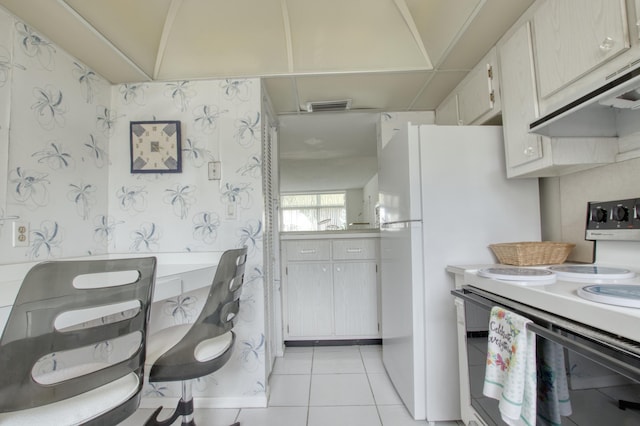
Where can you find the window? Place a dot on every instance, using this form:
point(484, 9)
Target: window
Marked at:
point(313, 212)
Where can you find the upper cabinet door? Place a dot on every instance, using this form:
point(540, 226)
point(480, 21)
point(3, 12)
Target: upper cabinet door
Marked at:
point(572, 37)
point(476, 95)
point(519, 102)
point(637, 17)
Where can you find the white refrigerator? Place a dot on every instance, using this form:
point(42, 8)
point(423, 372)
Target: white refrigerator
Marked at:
point(444, 198)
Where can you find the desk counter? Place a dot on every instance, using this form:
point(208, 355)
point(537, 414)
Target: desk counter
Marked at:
point(172, 279)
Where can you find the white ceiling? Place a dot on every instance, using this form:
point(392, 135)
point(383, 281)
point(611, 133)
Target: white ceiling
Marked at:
point(327, 151)
point(385, 55)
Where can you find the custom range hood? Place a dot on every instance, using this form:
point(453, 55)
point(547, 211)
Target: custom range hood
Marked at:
point(612, 110)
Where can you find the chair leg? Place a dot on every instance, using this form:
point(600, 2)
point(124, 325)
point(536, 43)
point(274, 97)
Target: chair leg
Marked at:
point(184, 409)
point(623, 405)
point(187, 417)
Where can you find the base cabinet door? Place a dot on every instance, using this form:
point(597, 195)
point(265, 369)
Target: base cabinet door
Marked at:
point(331, 289)
point(355, 299)
point(309, 300)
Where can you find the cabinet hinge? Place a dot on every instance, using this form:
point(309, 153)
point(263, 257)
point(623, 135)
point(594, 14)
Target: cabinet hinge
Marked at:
point(286, 270)
point(492, 97)
point(376, 268)
point(490, 72)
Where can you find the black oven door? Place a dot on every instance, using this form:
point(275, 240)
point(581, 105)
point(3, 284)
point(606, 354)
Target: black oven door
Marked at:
point(602, 370)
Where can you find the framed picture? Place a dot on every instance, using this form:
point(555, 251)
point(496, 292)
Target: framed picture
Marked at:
point(155, 147)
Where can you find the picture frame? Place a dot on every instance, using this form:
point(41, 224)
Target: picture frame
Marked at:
point(155, 146)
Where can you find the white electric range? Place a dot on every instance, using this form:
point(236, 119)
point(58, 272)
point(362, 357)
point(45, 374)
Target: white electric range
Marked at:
point(593, 311)
point(604, 295)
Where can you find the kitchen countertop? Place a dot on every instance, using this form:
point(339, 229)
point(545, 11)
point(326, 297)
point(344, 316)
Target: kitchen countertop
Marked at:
point(561, 299)
point(317, 235)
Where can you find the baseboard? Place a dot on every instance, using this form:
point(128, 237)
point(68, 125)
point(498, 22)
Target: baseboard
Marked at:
point(345, 342)
point(256, 401)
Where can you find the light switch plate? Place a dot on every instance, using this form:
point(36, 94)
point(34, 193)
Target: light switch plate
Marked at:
point(214, 170)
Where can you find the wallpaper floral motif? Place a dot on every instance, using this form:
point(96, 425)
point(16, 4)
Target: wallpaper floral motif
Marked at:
point(66, 171)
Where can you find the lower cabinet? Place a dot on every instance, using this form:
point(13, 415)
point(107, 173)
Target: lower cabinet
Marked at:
point(355, 299)
point(331, 295)
point(309, 299)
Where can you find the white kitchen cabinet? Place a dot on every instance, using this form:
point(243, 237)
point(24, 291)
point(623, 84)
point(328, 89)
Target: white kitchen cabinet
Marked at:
point(519, 101)
point(476, 99)
point(447, 112)
point(355, 282)
point(573, 37)
point(331, 288)
point(637, 17)
point(309, 299)
point(528, 154)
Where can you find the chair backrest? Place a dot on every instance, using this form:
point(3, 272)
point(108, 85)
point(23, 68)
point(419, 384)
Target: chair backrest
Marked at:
point(66, 310)
point(216, 318)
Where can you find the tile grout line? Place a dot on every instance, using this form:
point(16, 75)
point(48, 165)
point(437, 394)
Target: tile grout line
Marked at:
point(373, 395)
point(313, 356)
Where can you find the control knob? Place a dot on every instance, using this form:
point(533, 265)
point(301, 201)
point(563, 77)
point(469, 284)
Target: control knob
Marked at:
point(598, 214)
point(621, 214)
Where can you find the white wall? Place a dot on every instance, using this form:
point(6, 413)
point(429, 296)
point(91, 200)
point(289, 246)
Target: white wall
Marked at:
point(574, 191)
point(370, 201)
point(55, 141)
point(64, 135)
point(353, 205)
point(390, 122)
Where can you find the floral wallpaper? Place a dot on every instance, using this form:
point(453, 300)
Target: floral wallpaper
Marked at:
point(56, 176)
point(66, 171)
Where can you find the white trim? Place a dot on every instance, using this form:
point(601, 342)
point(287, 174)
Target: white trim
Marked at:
point(166, 30)
point(256, 401)
point(287, 33)
point(408, 19)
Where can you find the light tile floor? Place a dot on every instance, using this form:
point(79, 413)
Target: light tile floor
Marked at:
point(321, 386)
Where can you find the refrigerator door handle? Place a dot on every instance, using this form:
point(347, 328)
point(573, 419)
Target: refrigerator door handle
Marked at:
point(400, 222)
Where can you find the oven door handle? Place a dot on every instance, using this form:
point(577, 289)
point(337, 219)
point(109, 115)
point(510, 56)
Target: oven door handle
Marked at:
point(603, 351)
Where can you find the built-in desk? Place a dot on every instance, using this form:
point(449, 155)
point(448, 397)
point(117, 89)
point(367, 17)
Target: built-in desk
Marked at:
point(172, 279)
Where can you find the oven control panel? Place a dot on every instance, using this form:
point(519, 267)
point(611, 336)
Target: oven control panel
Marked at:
point(614, 220)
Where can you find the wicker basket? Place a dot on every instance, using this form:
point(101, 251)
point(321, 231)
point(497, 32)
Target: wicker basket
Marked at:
point(532, 253)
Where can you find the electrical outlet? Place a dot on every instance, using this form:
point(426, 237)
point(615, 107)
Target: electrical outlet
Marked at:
point(214, 170)
point(20, 234)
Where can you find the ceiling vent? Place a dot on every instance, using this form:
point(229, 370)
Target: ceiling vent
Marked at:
point(319, 106)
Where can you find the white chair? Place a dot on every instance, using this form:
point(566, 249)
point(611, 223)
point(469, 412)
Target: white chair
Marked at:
point(64, 314)
point(188, 351)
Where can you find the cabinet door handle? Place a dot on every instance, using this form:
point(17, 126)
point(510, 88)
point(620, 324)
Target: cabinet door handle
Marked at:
point(307, 251)
point(354, 250)
point(607, 44)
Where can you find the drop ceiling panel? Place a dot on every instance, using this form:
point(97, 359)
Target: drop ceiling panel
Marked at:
point(391, 91)
point(484, 32)
point(439, 87)
point(440, 22)
point(135, 27)
point(55, 22)
point(338, 36)
point(226, 38)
